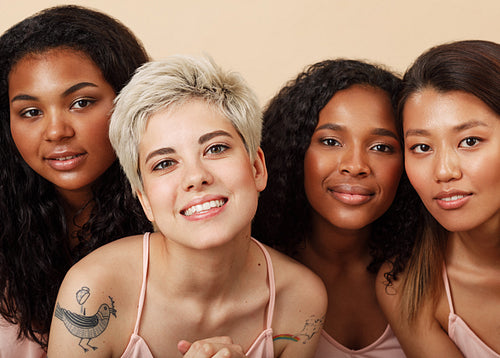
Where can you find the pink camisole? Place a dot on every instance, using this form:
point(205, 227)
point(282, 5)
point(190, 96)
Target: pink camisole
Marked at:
point(262, 347)
point(465, 339)
point(386, 346)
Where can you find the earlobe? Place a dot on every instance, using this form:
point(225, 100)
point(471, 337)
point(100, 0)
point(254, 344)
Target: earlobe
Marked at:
point(143, 199)
point(260, 170)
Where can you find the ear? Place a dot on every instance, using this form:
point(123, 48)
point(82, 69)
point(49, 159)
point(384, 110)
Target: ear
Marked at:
point(260, 170)
point(143, 199)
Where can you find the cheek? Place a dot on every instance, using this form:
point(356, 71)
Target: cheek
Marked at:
point(391, 175)
point(25, 140)
point(417, 176)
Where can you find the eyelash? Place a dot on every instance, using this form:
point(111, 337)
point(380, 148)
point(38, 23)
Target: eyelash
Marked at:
point(160, 165)
point(330, 142)
point(221, 147)
point(476, 141)
point(26, 113)
point(165, 164)
point(88, 102)
point(425, 148)
point(413, 148)
point(387, 148)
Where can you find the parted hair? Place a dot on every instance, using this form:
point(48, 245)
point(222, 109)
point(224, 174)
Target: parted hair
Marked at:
point(165, 85)
point(283, 217)
point(471, 66)
point(35, 252)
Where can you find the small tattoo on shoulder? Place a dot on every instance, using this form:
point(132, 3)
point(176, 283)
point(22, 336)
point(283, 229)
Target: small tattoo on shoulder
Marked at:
point(83, 326)
point(311, 326)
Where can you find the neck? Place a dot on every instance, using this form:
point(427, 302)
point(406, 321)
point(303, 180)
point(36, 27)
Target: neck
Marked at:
point(332, 249)
point(480, 246)
point(206, 273)
point(77, 206)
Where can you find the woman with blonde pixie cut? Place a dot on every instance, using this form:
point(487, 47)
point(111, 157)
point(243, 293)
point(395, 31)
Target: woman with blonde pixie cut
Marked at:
point(187, 135)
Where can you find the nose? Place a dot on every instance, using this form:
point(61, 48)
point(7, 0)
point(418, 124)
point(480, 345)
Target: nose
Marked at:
point(447, 166)
point(196, 175)
point(353, 162)
point(58, 127)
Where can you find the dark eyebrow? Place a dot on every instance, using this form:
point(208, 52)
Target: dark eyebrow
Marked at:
point(469, 125)
point(385, 133)
point(74, 88)
point(206, 137)
point(377, 131)
point(23, 97)
point(417, 132)
point(332, 126)
point(459, 128)
point(161, 151)
point(78, 86)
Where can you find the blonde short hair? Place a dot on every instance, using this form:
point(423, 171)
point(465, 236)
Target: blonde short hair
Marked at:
point(159, 85)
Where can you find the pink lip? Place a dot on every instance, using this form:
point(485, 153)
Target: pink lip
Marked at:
point(65, 161)
point(452, 200)
point(351, 194)
point(205, 214)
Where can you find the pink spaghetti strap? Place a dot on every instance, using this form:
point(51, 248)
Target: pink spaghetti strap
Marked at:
point(272, 284)
point(447, 288)
point(145, 264)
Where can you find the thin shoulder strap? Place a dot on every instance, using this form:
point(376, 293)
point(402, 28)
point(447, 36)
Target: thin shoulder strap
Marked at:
point(272, 284)
point(447, 288)
point(145, 264)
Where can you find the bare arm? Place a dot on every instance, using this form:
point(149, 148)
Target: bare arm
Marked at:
point(423, 337)
point(299, 313)
point(87, 313)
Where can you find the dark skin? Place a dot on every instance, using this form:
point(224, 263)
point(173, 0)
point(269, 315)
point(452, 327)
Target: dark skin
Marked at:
point(354, 318)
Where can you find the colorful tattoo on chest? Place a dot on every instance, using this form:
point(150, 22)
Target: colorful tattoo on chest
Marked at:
point(83, 326)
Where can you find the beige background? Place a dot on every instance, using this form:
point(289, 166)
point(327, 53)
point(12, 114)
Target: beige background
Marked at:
point(269, 42)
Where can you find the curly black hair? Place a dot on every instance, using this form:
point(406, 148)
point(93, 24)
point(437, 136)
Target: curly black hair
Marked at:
point(35, 253)
point(283, 218)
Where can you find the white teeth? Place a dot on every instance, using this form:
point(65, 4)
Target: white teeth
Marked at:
point(203, 207)
point(66, 158)
point(453, 198)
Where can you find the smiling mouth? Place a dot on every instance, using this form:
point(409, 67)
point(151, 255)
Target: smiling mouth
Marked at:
point(202, 208)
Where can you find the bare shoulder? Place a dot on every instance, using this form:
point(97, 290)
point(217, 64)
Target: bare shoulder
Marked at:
point(95, 307)
point(295, 279)
point(301, 303)
point(422, 336)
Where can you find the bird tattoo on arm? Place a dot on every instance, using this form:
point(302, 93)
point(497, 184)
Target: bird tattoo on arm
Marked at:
point(86, 327)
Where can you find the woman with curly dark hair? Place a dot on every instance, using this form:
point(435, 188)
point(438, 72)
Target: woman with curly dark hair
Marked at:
point(62, 192)
point(334, 157)
point(446, 301)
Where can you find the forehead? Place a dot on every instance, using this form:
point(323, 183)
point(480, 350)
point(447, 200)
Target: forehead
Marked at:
point(432, 108)
point(184, 123)
point(359, 105)
point(54, 65)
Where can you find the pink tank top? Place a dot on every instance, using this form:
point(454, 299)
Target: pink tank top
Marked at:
point(386, 346)
point(262, 347)
point(10, 346)
point(465, 339)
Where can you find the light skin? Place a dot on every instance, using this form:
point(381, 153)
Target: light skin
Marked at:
point(59, 111)
point(351, 173)
point(205, 276)
point(452, 146)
